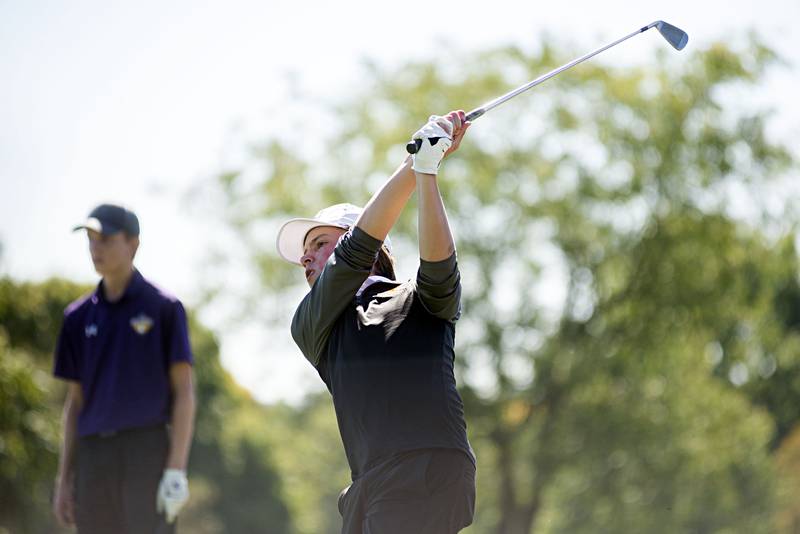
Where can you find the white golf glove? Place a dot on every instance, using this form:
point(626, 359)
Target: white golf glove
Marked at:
point(436, 136)
point(173, 492)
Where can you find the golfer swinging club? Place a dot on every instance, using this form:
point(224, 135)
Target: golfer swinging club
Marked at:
point(385, 349)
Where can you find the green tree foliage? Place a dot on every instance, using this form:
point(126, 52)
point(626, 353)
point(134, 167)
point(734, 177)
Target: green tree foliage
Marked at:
point(28, 442)
point(787, 460)
point(309, 451)
point(233, 478)
point(623, 328)
point(30, 316)
point(239, 486)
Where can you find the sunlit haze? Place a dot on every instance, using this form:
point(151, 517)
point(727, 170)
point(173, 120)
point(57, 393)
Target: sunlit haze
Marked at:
point(135, 102)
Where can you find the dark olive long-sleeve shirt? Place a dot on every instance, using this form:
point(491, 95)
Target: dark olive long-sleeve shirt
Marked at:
point(386, 354)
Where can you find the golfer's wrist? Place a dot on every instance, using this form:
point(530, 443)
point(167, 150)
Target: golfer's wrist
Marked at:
point(176, 460)
point(176, 465)
point(64, 475)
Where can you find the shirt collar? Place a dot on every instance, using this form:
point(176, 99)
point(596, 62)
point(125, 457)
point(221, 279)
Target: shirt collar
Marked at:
point(372, 280)
point(131, 290)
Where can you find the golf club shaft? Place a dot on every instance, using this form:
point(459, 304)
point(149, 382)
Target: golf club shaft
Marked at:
point(475, 113)
point(413, 146)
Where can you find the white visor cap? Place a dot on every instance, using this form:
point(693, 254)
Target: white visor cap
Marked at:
point(292, 234)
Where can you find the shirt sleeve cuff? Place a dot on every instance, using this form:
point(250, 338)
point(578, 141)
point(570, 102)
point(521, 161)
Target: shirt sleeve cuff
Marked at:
point(362, 238)
point(358, 249)
point(438, 272)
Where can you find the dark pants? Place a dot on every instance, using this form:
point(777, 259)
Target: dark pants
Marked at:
point(116, 482)
point(429, 491)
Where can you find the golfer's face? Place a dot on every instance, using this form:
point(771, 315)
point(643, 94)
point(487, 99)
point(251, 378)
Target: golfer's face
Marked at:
point(111, 253)
point(318, 247)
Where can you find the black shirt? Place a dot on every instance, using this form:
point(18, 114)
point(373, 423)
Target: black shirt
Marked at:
point(386, 354)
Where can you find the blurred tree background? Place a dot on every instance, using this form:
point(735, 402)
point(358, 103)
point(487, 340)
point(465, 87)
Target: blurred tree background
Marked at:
point(629, 353)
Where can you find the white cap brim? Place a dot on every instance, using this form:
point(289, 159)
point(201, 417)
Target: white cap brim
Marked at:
point(292, 234)
point(91, 223)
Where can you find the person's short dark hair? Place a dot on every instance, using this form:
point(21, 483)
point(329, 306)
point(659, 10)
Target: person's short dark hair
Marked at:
point(108, 219)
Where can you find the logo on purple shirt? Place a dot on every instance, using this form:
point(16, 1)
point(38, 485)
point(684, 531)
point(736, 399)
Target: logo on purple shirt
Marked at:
point(141, 324)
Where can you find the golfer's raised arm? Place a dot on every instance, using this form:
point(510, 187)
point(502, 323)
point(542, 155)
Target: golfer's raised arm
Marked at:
point(385, 206)
point(440, 136)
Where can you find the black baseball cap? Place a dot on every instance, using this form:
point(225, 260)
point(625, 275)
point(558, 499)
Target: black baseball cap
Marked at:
point(109, 219)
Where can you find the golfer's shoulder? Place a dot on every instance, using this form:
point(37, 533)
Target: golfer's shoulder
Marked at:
point(163, 303)
point(78, 308)
point(158, 293)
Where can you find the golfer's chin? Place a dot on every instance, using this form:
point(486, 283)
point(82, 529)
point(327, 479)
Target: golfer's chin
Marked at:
point(311, 279)
point(99, 268)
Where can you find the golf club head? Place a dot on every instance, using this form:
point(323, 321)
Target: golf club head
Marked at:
point(674, 36)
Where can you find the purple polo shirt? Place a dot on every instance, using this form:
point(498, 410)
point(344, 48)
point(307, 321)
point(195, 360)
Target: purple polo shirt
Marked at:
point(121, 352)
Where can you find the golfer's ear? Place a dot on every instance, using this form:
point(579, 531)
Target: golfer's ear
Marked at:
point(134, 243)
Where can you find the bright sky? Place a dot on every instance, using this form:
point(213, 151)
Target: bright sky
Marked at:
point(136, 101)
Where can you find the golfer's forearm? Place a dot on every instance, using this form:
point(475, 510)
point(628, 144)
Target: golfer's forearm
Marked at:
point(182, 426)
point(385, 206)
point(435, 238)
point(69, 420)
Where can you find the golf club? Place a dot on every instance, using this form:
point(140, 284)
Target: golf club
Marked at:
point(674, 36)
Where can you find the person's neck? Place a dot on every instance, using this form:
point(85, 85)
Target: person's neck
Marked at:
point(114, 284)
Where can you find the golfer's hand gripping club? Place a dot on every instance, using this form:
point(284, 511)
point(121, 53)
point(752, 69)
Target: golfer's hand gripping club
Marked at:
point(431, 142)
point(413, 146)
